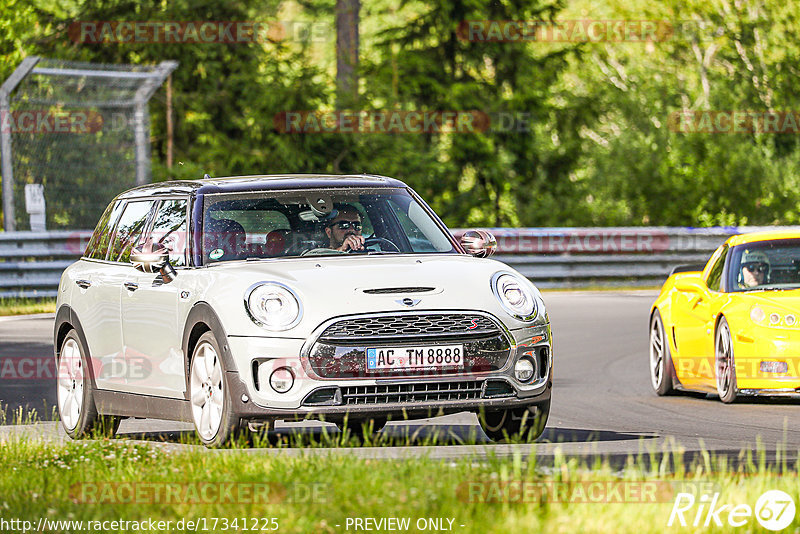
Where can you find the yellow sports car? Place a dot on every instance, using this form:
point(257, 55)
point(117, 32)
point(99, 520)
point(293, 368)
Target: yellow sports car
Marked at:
point(731, 327)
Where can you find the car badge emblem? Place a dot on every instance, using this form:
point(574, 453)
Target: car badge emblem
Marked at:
point(473, 326)
point(408, 302)
point(184, 295)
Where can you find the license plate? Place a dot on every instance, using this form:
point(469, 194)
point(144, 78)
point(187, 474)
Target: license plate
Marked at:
point(393, 358)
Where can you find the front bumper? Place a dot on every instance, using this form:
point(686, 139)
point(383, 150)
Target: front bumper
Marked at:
point(768, 346)
point(415, 396)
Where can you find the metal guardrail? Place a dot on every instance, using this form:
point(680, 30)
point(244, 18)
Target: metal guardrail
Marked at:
point(31, 263)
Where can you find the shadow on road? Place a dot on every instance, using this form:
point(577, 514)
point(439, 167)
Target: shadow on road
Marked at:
point(403, 434)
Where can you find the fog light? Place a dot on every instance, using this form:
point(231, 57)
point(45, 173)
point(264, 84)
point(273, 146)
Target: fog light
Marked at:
point(774, 367)
point(282, 379)
point(524, 369)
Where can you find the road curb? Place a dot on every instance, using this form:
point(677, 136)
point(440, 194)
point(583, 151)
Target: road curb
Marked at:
point(6, 318)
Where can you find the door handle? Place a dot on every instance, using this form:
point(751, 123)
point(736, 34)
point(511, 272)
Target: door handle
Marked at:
point(83, 284)
point(131, 286)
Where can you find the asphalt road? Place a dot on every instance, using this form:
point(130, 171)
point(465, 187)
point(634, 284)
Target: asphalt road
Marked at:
point(602, 399)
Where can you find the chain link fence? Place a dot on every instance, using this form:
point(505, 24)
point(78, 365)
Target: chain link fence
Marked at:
point(81, 130)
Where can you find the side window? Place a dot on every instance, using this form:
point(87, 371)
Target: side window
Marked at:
point(129, 229)
point(98, 244)
point(715, 274)
point(169, 228)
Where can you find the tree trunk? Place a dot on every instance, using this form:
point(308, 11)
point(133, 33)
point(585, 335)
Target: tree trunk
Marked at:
point(347, 14)
point(170, 129)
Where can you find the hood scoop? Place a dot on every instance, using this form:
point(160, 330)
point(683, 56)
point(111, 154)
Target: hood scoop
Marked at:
point(398, 290)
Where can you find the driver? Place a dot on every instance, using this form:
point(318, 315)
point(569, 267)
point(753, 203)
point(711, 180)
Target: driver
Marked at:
point(755, 269)
point(344, 230)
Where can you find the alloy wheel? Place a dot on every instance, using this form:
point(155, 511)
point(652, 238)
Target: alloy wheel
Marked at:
point(207, 391)
point(70, 384)
point(656, 353)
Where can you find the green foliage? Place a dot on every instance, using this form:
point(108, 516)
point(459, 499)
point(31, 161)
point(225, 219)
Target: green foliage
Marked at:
point(597, 147)
point(724, 57)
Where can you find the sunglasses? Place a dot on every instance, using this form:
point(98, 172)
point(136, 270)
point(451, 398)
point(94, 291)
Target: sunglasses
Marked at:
point(346, 225)
point(754, 267)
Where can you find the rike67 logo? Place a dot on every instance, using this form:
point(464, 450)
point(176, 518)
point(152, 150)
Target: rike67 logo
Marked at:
point(774, 510)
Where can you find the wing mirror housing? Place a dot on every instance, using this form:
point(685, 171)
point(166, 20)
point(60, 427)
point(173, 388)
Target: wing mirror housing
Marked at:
point(691, 283)
point(153, 258)
point(479, 243)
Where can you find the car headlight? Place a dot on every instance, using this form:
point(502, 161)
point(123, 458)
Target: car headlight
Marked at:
point(273, 305)
point(515, 296)
point(773, 318)
point(757, 314)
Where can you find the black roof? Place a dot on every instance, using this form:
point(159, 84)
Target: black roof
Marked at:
point(262, 183)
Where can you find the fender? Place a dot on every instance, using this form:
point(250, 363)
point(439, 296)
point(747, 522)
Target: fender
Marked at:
point(202, 312)
point(66, 315)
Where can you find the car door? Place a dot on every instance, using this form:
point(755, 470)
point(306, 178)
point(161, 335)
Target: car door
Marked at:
point(151, 329)
point(699, 306)
point(95, 301)
point(113, 372)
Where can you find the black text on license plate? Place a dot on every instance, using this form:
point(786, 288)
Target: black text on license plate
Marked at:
point(441, 356)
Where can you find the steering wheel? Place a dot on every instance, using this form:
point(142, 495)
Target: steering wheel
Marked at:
point(380, 241)
point(300, 247)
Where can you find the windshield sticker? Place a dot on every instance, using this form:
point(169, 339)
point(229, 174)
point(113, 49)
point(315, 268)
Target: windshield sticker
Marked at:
point(216, 254)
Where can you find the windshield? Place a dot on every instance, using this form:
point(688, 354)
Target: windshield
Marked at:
point(765, 265)
point(321, 222)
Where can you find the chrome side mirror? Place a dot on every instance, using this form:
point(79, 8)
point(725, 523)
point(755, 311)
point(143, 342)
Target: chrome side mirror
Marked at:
point(153, 258)
point(479, 243)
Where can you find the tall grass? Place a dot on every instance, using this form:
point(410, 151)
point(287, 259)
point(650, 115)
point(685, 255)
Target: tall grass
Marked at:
point(314, 493)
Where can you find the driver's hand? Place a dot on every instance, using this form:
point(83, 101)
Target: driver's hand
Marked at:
point(352, 242)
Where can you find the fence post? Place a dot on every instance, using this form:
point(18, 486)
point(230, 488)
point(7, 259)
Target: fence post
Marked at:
point(9, 224)
point(140, 100)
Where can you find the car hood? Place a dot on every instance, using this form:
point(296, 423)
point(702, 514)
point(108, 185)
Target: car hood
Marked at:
point(789, 299)
point(335, 286)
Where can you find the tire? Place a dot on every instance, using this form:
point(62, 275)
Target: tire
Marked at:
point(527, 423)
point(362, 428)
point(725, 368)
point(75, 394)
point(209, 394)
point(661, 366)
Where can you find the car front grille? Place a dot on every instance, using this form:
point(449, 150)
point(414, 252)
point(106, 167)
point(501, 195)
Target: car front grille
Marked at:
point(409, 394)
point(408, 325)
point(340, 350)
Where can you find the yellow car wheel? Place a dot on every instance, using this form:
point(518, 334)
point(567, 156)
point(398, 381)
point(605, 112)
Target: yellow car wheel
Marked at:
point(725, 368)
point(661, 369)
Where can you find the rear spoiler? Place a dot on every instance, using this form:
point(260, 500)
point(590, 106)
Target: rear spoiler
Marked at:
point(695, 267)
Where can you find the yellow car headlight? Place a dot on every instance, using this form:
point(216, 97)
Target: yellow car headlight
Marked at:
point(771, 318)
point(757, 314)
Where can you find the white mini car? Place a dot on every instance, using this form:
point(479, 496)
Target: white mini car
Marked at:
point(246, 300)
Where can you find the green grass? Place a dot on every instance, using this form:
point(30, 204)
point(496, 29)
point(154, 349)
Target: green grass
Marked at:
point(98, 480)
point(20, 306)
